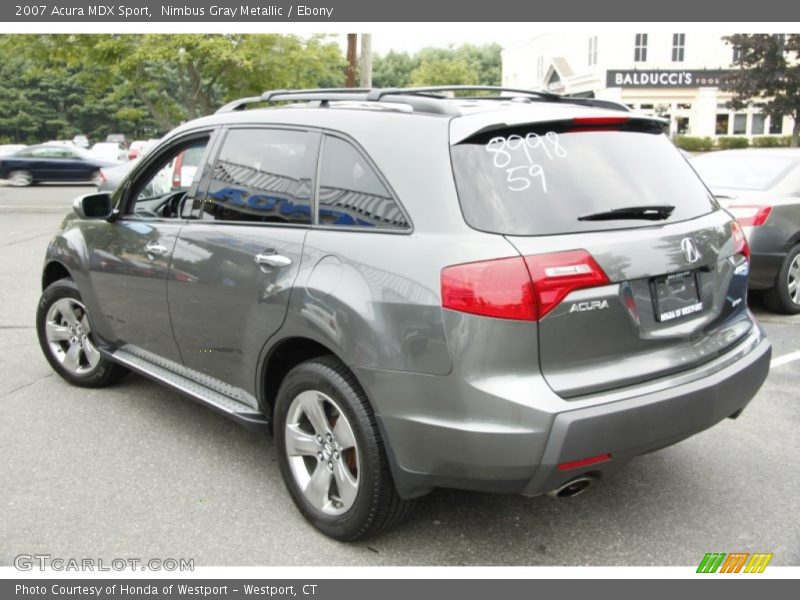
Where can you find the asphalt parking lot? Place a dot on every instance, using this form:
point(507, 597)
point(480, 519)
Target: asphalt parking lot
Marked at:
point(139, 471)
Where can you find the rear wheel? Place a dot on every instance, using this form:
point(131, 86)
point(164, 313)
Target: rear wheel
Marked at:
point(331, 454)
point(785, 296)
point(20, 178)
point(66, 338)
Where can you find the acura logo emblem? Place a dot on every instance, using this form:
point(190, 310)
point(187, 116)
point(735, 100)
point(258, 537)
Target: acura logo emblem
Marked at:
point(690, 250)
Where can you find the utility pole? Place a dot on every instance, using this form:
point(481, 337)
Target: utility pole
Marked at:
point(366, 60)
point(351, 59)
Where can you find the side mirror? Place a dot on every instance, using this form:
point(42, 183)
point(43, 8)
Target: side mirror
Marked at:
point(94, 206)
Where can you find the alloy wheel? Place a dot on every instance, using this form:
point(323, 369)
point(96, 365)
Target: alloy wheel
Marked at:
point(793, 280)
point(20, 178)
point(69, 336)
point(322, 452)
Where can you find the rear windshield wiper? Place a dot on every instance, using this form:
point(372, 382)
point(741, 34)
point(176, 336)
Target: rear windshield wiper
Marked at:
point(653, 212)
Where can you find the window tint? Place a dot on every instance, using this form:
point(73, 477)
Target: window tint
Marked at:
point(524, 182)
point(350, 192)
point(261, 175)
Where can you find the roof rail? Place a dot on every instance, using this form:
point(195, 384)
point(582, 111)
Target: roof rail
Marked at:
point(420, 99)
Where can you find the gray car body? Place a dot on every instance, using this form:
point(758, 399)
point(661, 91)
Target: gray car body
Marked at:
point(461, 400)
point(771, 242)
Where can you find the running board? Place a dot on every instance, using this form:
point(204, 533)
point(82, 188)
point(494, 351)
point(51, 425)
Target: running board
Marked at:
point(218, 401)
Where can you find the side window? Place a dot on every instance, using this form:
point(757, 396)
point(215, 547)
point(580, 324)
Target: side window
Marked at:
point(351, 193)
point(161, 190)
point(261, 175)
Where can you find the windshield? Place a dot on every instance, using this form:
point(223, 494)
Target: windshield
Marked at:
point(540, 182)
point(742, 171)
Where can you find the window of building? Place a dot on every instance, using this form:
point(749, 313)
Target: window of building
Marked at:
point(646, 106)
point(593, 50)
point(722, 124)
point(350, 192)
point(540, 68)
point(640, 48)
point(739, 124)
point(678, 46)
point(682, 125)
point(758, 123)
point(684, 106)
point(776, 125)
point(737, 55)
point(262, 175)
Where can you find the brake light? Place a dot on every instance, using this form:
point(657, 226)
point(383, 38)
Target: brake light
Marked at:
point(102, 178)
point(600, 120)
point(750, 215)
point(176, 171)
point(494, 288)
point(740, 245)
point(558, 274)
point(521, 288)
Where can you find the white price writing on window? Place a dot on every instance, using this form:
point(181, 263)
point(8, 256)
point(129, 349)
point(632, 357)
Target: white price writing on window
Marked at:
point(520, 177)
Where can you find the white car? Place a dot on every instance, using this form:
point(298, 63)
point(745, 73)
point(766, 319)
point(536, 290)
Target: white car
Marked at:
point(109, 151)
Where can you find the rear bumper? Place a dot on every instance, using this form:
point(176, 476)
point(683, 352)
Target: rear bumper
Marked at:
point(470, 439)
point(764, 268)
point(633, 427)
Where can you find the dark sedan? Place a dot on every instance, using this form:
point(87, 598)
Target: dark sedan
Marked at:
point(761, 188)
point(51, 163)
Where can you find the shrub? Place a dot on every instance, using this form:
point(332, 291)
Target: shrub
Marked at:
point(693, 144)
point(772, 141)
point(729, 143)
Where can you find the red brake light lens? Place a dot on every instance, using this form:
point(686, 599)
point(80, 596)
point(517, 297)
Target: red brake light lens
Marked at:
point(600, 120)
point(558, 274)
point(740, 244)
point(521, 288)
point(494, 288)
point(584, 462)
point(750, 215)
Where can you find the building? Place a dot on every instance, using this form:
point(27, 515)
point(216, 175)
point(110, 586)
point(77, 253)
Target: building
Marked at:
point(672, 75)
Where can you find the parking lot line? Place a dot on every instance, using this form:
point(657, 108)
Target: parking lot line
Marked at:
point(786, 358)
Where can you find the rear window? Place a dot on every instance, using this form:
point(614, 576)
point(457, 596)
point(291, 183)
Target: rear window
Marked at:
point(539, 182)
point(743, 171)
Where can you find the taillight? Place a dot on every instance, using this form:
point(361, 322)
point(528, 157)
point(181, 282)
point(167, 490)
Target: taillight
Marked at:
point(102, 178)
point(750, 215)
point(176, 171)
point(494, 288)
point(740, 245)
point(558, 274)
point(522, 288)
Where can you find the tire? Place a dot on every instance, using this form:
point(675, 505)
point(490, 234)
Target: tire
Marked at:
point(20, 178)
point(341, 484)
point(785, 296)
point(65, 336)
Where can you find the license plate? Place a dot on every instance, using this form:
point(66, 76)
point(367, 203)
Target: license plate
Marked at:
point(676, 296)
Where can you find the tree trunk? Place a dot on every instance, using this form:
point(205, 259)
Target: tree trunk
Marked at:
point(796, 132)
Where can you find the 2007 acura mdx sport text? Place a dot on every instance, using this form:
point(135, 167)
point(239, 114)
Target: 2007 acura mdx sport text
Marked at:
point(511, 293)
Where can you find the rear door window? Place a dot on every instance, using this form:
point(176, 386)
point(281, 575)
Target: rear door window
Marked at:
point(542, 181)
point(262, 175)
point(351, 193)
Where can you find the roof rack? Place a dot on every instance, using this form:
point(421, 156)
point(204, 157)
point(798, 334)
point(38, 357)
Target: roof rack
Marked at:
point(420, 99)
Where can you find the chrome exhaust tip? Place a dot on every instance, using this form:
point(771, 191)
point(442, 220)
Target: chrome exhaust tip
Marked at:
point(572, 488)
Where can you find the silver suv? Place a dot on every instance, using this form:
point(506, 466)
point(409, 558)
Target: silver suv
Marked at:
point(517, 292)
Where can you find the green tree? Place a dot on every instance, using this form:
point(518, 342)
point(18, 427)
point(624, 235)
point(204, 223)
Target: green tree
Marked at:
point(393, 70)
point(768, 76)
point(443, 71)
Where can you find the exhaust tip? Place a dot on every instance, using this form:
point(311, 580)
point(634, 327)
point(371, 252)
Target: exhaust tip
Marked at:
point(572, 488)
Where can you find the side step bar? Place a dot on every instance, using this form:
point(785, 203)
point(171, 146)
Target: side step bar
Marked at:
point(219, 401)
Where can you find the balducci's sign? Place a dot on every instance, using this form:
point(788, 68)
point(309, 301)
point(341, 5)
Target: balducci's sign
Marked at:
point(632, 79)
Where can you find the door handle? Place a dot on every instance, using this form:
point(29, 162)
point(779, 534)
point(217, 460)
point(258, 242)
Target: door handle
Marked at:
point(155, 249)
point(273, 260)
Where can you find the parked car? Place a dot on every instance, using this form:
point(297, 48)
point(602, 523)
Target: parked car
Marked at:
point(81, 141)
point(109, 151)
point(117, 138)
point(51, 162)
point(111, 177)
point(140, 148)
point(412, 291)
point(6, 149)
point(761, 188)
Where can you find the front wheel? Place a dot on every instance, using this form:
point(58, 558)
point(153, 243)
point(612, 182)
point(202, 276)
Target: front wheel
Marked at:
point(785, 296)
point(331, 454)
point(66, 338)
point(20, 178)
